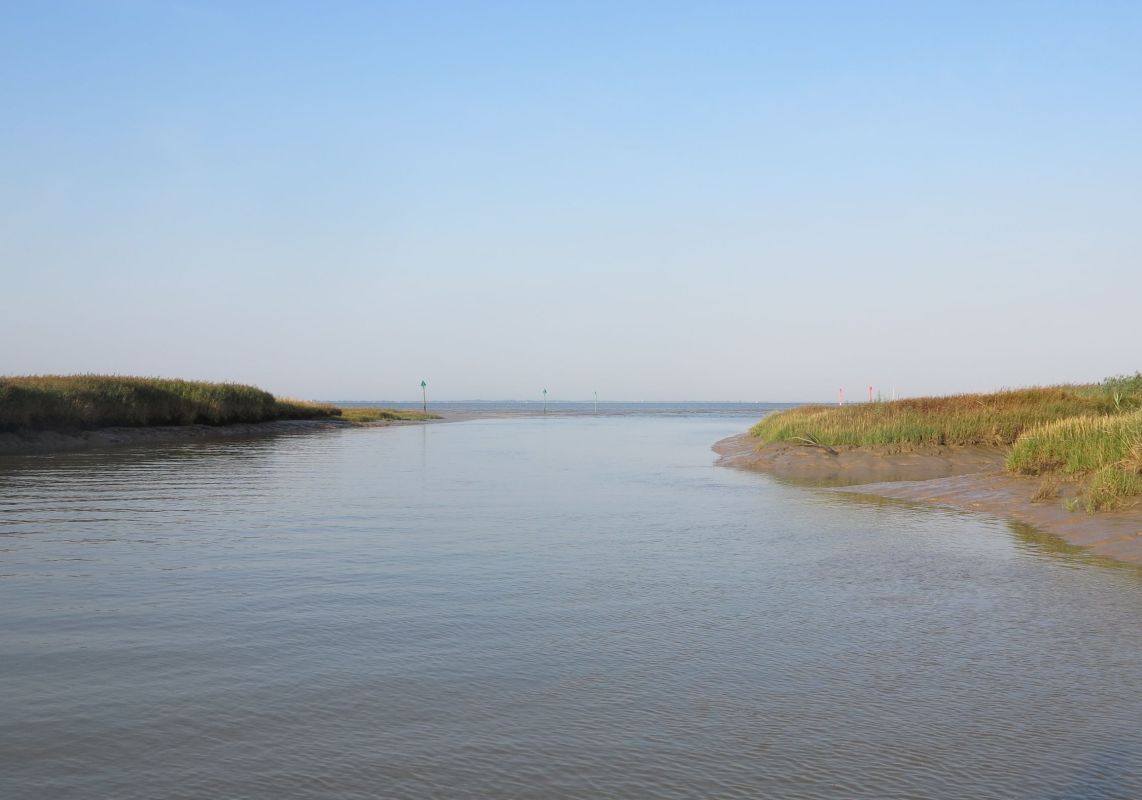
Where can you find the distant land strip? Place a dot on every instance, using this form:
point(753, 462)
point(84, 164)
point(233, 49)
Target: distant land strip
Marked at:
point(46, 413)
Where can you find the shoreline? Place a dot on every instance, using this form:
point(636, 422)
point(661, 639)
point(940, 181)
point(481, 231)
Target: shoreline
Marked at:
point(965, 479)
point(39, 442)
point(45, 442)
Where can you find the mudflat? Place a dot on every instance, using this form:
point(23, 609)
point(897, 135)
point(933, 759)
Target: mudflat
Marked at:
point(966, 478)
point(849, 466)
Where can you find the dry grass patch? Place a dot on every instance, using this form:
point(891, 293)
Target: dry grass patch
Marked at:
point(359, 414)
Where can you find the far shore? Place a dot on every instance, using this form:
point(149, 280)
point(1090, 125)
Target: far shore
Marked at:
point(965, 478)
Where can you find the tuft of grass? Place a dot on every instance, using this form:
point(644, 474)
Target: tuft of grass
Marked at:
point(1048, 490)
point(369, 414)
point(1105, 449)
point(1112, 488)
point(47, 402)
point(968, 419)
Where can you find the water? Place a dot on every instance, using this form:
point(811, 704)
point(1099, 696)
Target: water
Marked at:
point(582, 407)
point(539, 607)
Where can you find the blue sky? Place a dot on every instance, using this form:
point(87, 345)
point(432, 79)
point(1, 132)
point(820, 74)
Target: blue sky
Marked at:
point(758, 201)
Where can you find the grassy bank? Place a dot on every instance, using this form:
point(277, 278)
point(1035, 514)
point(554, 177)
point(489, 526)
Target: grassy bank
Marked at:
point(968, 419)
point(60, 402)
point(1090, 433)
point(1104, 451)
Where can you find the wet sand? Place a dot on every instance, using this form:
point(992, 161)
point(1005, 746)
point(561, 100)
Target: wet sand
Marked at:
point(970, 479)
point(851, 466)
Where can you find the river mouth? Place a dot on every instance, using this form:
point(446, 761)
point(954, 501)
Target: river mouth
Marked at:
point(539, 607)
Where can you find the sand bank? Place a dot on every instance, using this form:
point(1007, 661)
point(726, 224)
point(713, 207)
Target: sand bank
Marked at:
point(963, 478)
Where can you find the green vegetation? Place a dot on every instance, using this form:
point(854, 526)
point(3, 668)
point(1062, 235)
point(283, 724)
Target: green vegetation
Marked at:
point(1125, 391)
point(358, 414)
point(1105, 450)
point(55, 402)
point(967, 419)
point(52, 402)
point(1087, 433)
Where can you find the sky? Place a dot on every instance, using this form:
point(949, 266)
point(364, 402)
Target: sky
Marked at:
point(718, 200)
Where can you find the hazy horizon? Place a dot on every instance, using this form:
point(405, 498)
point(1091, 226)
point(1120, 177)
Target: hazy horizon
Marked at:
point(653, 201)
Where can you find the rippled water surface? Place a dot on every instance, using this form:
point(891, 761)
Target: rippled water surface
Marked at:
point(540, 608)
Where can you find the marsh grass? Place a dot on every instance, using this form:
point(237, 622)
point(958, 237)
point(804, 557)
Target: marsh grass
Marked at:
point(52, 402)
point(1104, 450)
point(994, 420)
point(1090, 434)
point(359, 414)
point(1123, 391)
